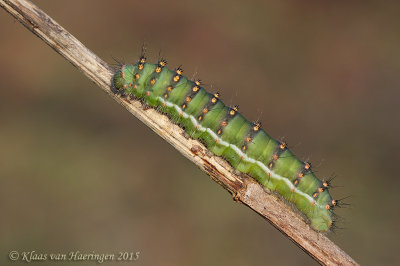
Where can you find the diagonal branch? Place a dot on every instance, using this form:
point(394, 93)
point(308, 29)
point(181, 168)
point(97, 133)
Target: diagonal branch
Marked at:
point(244, 188)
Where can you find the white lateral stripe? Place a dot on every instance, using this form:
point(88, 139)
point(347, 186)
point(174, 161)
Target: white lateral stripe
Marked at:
point(238, 151)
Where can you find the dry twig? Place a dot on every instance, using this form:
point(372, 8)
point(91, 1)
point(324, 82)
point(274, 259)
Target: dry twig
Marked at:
point(244, 188)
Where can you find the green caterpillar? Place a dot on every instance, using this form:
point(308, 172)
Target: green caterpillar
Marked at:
point(225, 132)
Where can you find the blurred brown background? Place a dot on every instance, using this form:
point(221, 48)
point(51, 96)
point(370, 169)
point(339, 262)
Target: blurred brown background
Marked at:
point(78, 172)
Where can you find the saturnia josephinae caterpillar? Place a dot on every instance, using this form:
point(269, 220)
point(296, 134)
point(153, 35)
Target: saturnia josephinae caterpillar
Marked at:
point(225, 132)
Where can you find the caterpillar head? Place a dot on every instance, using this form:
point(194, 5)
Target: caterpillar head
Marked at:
point(123, 80)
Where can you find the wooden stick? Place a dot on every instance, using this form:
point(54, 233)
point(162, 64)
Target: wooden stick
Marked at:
point(244, 188)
